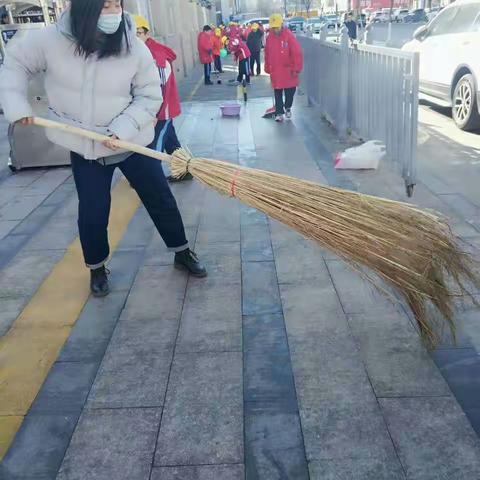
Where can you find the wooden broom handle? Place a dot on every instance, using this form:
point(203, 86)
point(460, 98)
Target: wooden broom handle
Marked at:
point(98, 137)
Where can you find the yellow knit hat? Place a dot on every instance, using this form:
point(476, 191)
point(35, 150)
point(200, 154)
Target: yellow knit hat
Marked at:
point(141, 22)
point(276, 20)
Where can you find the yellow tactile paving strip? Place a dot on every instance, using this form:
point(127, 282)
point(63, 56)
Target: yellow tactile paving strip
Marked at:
point(32, 345)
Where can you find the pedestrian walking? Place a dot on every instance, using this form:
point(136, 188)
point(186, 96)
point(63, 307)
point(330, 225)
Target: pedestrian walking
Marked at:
point(100, 77)
point(166, 139)
point(284, 63)
point(217, 46)
point(205, 52)
point(242, 55)
point(351, 25)
point(255, 44)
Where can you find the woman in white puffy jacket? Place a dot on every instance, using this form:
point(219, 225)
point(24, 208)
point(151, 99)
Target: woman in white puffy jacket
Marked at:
point(99, 76)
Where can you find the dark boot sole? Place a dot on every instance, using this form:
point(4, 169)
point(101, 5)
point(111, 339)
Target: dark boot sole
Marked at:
point(100, 294)
point(180, 266)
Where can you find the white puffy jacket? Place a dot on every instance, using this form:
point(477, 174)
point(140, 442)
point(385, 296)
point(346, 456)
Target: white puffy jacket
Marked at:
point(116, 95)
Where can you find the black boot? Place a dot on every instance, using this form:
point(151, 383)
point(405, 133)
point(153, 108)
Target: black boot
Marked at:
point(185, 178)
point(188, 260)
point(99, 282)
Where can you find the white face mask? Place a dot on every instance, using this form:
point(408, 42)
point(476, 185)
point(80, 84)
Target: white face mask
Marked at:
point(109, 23)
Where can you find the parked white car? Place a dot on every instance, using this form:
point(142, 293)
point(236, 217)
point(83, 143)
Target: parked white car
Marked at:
point(399, 14)
point(449, 49)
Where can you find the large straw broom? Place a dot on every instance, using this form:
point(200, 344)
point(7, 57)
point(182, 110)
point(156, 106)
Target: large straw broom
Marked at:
point(413, 250)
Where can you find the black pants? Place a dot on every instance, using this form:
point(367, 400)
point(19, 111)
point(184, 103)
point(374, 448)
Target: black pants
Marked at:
point(280, 105)
point(218, 64)
point(244, 70)
point(207, 70)
point(145, 174)
point(166, 139)
point(255, 59)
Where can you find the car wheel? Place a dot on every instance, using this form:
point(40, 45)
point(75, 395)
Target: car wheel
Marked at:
point(464, 104)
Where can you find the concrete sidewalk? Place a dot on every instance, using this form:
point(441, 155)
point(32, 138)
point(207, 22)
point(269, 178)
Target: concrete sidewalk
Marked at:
point(282, 364)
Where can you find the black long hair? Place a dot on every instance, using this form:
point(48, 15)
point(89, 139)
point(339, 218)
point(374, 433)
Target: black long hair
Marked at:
point(84, 16)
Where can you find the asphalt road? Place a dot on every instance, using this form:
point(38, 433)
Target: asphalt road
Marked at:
point(448, 152)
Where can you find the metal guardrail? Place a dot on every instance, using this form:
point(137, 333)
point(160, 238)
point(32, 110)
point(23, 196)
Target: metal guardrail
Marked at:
point(369, 91)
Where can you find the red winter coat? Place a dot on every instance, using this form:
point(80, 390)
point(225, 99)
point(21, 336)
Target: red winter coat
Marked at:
point(216, 45)
point(241, 51)
point(233, 32)
point(164, 57)
point(205, 47)
point(283, 59)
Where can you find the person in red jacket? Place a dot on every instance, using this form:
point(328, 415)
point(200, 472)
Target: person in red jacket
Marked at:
point(242, 55)
point(166, 139)
point(284, 62)
point(205, 52)
point(217, 46)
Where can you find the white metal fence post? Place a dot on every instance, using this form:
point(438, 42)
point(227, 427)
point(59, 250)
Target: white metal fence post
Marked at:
point(343, 83)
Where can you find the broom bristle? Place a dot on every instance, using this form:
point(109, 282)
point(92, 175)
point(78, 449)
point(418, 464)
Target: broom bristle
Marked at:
point(411, 249)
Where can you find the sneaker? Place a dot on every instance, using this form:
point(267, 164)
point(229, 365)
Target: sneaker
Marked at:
point(99, 282)
point(188, 260)
point(185, 178)
point(209, 82)
point(288, 114)
point(279, 118)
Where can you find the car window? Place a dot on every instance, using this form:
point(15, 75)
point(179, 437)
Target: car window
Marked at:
point(440, 25)
point(465, 18)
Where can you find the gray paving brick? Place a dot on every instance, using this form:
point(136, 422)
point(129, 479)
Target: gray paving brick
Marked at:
point(357, 295)
point(201, 472)
point(22, 179)
point(9, 247)
point(124, 266)
point(6, 226)
point(57, 234)
point(11, 309)
point(136, 383)
point(200, 434)
point(274, 446)
point(335, 430)
point(66, 388)
point(103, 446)
point(222, 261)
point(264, 332)
point(433, 438)
point(24, 275)
point(20, 207)
point(298, 260)
point(70, 207)
point(206, 379)
point(396, 361)
point(260, 289)
point(35, 221)
point(91, 333)
point(158, 292)
point(252, 216)
point(256, 243)
point(355, 468)
point(62, 195)
point(139, 232)
point(38, 448)
point(48, 182)
point(211, 319)
point(8, 193)
point(220, 221)
point(269, 378)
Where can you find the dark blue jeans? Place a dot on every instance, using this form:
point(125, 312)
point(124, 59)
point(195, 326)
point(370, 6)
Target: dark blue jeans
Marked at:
point(145, 174)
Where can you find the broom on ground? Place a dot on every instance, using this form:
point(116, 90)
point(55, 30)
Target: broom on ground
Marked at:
point(413, 250)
